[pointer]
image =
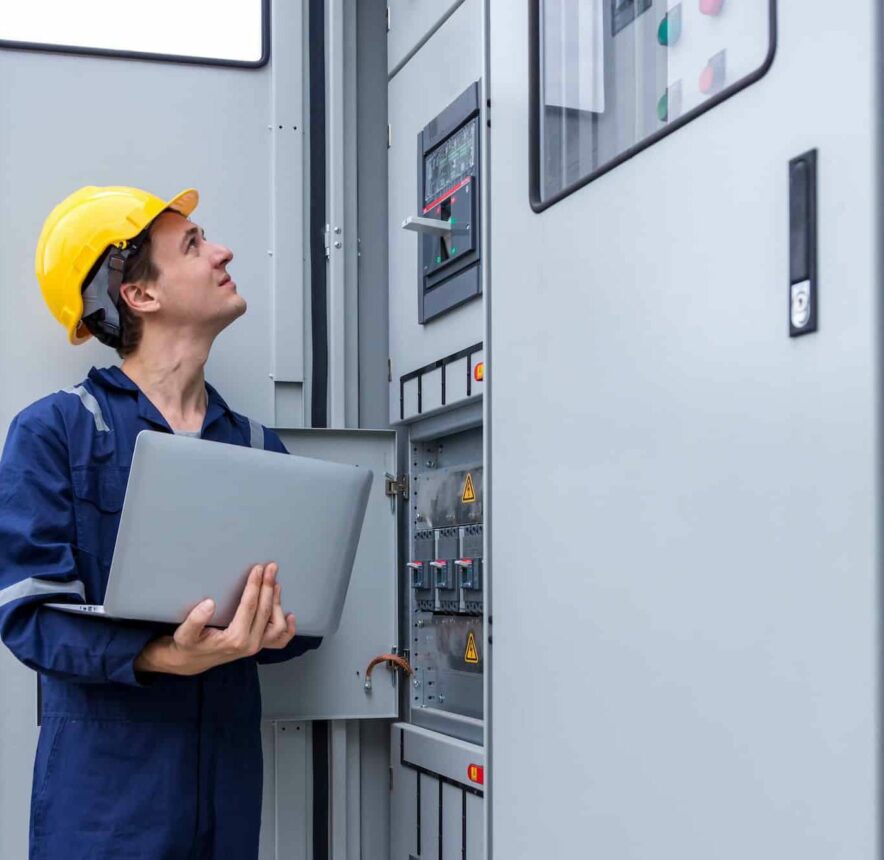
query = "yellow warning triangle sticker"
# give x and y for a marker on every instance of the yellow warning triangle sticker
(472, 653)
(469, 491)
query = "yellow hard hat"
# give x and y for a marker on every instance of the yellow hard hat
(80, 230)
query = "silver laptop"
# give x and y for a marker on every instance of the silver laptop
(198, 515)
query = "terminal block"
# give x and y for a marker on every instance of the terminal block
(447, 585)
(420, 575)
(444, 575)
(470, 569)
(470, 573)
(420, 572)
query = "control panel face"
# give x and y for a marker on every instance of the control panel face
(446, 577)
(448, 223)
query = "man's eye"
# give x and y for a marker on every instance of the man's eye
(191, 243)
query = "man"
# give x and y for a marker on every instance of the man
(150, 743)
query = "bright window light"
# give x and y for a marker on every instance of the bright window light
(229, 30)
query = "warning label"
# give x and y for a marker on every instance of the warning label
(469, 491)
(472, 653)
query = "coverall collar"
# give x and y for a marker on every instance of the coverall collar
(113, 378)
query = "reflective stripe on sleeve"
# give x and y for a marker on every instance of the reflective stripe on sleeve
(91, 405)
(34, 587)
(257, 434)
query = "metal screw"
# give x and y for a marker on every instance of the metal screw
(338, 245)
(338, 230)
(415, 683)
(441, 699)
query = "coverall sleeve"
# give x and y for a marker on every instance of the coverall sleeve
(38, 564)
(300, 644)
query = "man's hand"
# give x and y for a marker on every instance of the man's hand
(259, 623)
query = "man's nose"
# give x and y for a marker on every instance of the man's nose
(223, 254)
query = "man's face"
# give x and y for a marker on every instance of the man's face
(193, 289)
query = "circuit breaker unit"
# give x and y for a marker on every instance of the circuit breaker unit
(448, 203)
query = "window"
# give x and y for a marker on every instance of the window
(611, 77)
(232, 32)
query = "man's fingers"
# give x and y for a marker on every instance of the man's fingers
(190, 630)
(277, 618)
(276, 626)
(248, 603)
(281, 635)
(265, 604)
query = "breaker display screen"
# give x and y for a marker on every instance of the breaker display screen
(450, 162)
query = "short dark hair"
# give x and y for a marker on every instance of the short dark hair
(140, 267)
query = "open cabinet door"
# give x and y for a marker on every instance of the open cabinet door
(328, 683)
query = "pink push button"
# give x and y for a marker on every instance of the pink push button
(713, 76)
(711, 7)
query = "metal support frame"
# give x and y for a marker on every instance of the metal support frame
(343, 390)
(345, 824)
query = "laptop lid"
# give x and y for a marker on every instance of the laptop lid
(198, 515)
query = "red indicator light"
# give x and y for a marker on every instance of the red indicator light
(479, 372)
(476, 773)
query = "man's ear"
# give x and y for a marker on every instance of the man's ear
(140, 297)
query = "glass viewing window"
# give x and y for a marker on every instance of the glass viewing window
(611, 77)
(231, 32)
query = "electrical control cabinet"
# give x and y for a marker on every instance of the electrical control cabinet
(437, 129)
(436, 142)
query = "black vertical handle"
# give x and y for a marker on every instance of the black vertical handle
(803, 292)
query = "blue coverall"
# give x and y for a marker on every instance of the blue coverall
(154, 766)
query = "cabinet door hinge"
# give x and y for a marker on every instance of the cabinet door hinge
(397, 485)
(326, 239)
(389, 135)
(388, 19)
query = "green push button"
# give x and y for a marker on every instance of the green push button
(669, 31)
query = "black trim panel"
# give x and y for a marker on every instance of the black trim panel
(467, 789)
(320, 790)
(443, 363)
(538, 204)
(318, 263)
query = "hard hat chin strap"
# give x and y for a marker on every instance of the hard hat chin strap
(101, 293)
